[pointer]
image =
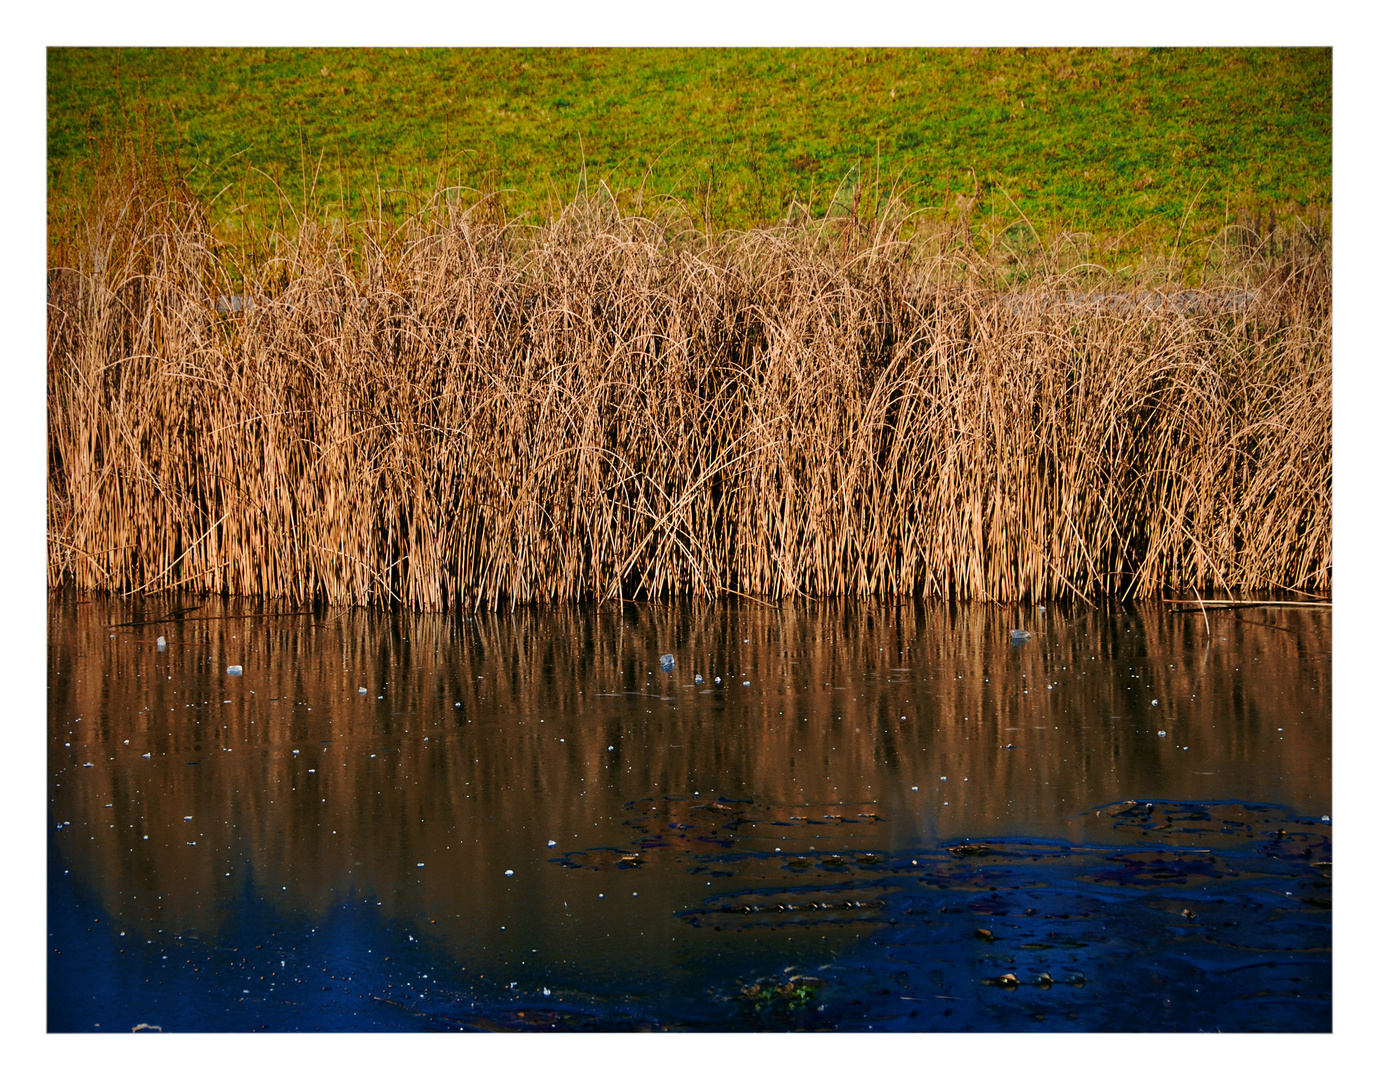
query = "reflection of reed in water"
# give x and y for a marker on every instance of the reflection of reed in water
(492, 736)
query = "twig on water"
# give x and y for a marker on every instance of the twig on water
(168, 617)
(1204, 604)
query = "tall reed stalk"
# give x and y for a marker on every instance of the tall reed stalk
(470, 412)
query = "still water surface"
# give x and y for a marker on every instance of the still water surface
(866, 816)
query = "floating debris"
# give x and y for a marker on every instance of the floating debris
(1019, 637)
(162, 647)
(985, 935)
(234, 669)
(668, 662)
(788, 990)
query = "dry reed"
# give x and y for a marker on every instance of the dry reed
(469, 411)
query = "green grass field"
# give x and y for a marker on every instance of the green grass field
(1142, 149)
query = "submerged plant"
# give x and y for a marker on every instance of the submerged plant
(786, 990)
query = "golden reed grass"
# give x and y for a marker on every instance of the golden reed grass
(466, 411)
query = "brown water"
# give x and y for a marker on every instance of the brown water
(525, 802)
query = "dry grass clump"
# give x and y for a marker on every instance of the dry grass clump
(470, 411)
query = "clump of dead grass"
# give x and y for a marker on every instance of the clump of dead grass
(469, 411)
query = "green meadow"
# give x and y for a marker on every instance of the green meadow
(1137, 151)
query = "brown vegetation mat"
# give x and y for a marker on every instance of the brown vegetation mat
(468, 411)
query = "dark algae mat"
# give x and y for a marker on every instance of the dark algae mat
(1166, 917)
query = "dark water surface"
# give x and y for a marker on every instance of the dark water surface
(883, 817)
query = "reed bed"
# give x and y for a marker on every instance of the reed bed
(470, 412)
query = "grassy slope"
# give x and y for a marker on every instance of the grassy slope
(1118, 143)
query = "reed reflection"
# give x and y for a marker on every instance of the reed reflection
(411, 760)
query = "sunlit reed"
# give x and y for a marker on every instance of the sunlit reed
(468, 412)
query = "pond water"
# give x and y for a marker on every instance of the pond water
(864, 817)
